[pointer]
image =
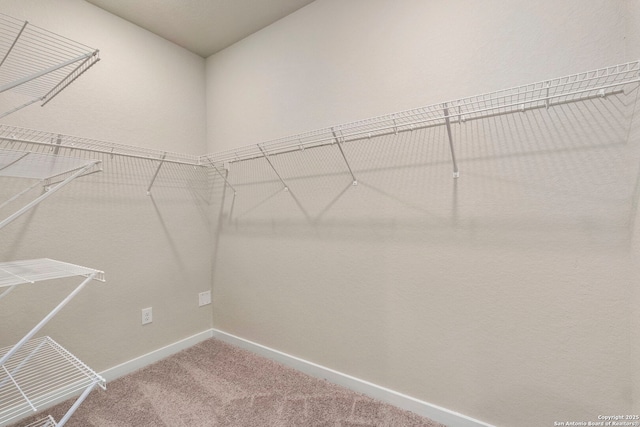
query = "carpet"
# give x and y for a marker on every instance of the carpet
(216, 384)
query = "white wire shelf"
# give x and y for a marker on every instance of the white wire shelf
(38, 63)
(45, 168)
(44, 422)
(546, 94)
(22, 138)
(41, 373)
(36, 270)
(33, 165)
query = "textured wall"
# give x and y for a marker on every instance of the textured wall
(155, 250)
(503, 295)
(145, 91)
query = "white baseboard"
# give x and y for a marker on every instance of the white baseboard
(425, 409)
(434, 412)
(154, 356)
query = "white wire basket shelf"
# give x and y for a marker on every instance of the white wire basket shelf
(44, 422)
(42, 166)
(599, 83)
(37, 372)
(38, 63)
(41, 373)
(14, 273)
(24, 139)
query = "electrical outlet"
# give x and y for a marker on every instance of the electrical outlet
(204, 298)
(147, 315)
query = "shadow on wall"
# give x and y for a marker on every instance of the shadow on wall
(150, 246)
(545, 176)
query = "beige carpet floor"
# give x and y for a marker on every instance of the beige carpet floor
(216, 384)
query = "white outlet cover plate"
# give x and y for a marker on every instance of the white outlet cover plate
(147, 315)
(204, 298)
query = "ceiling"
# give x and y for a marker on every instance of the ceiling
(202, 26)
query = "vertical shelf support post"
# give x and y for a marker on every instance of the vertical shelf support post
(6, 55)
(155, 175)
(447, 121)
(222, 176)
(355, 181)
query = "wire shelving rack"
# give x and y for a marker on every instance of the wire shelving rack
(50, 170)
(37, 372)
(38, 63)
(600, 83)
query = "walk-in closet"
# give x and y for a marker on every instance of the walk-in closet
(319, 213)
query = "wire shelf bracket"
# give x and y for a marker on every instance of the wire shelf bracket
(155, 175)
(39, 63)
(355, 181)
(222, 176)
(45, 168)
(38, 371)
(266, 156)
(445, 111)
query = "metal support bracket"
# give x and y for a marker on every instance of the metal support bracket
(222, 176)
(6, 55)
(547, 85)
(41, 73)
(264, 153)
(155, 175)
(51, 191)
(15, 161)
(6, 291)
(355, 181)
(447, 121)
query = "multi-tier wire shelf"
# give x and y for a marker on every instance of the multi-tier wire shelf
(38, 64)
(37, 372)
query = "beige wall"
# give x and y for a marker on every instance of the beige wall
(155, 250)
(503, 295)
(507, 295)
(145, 91)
